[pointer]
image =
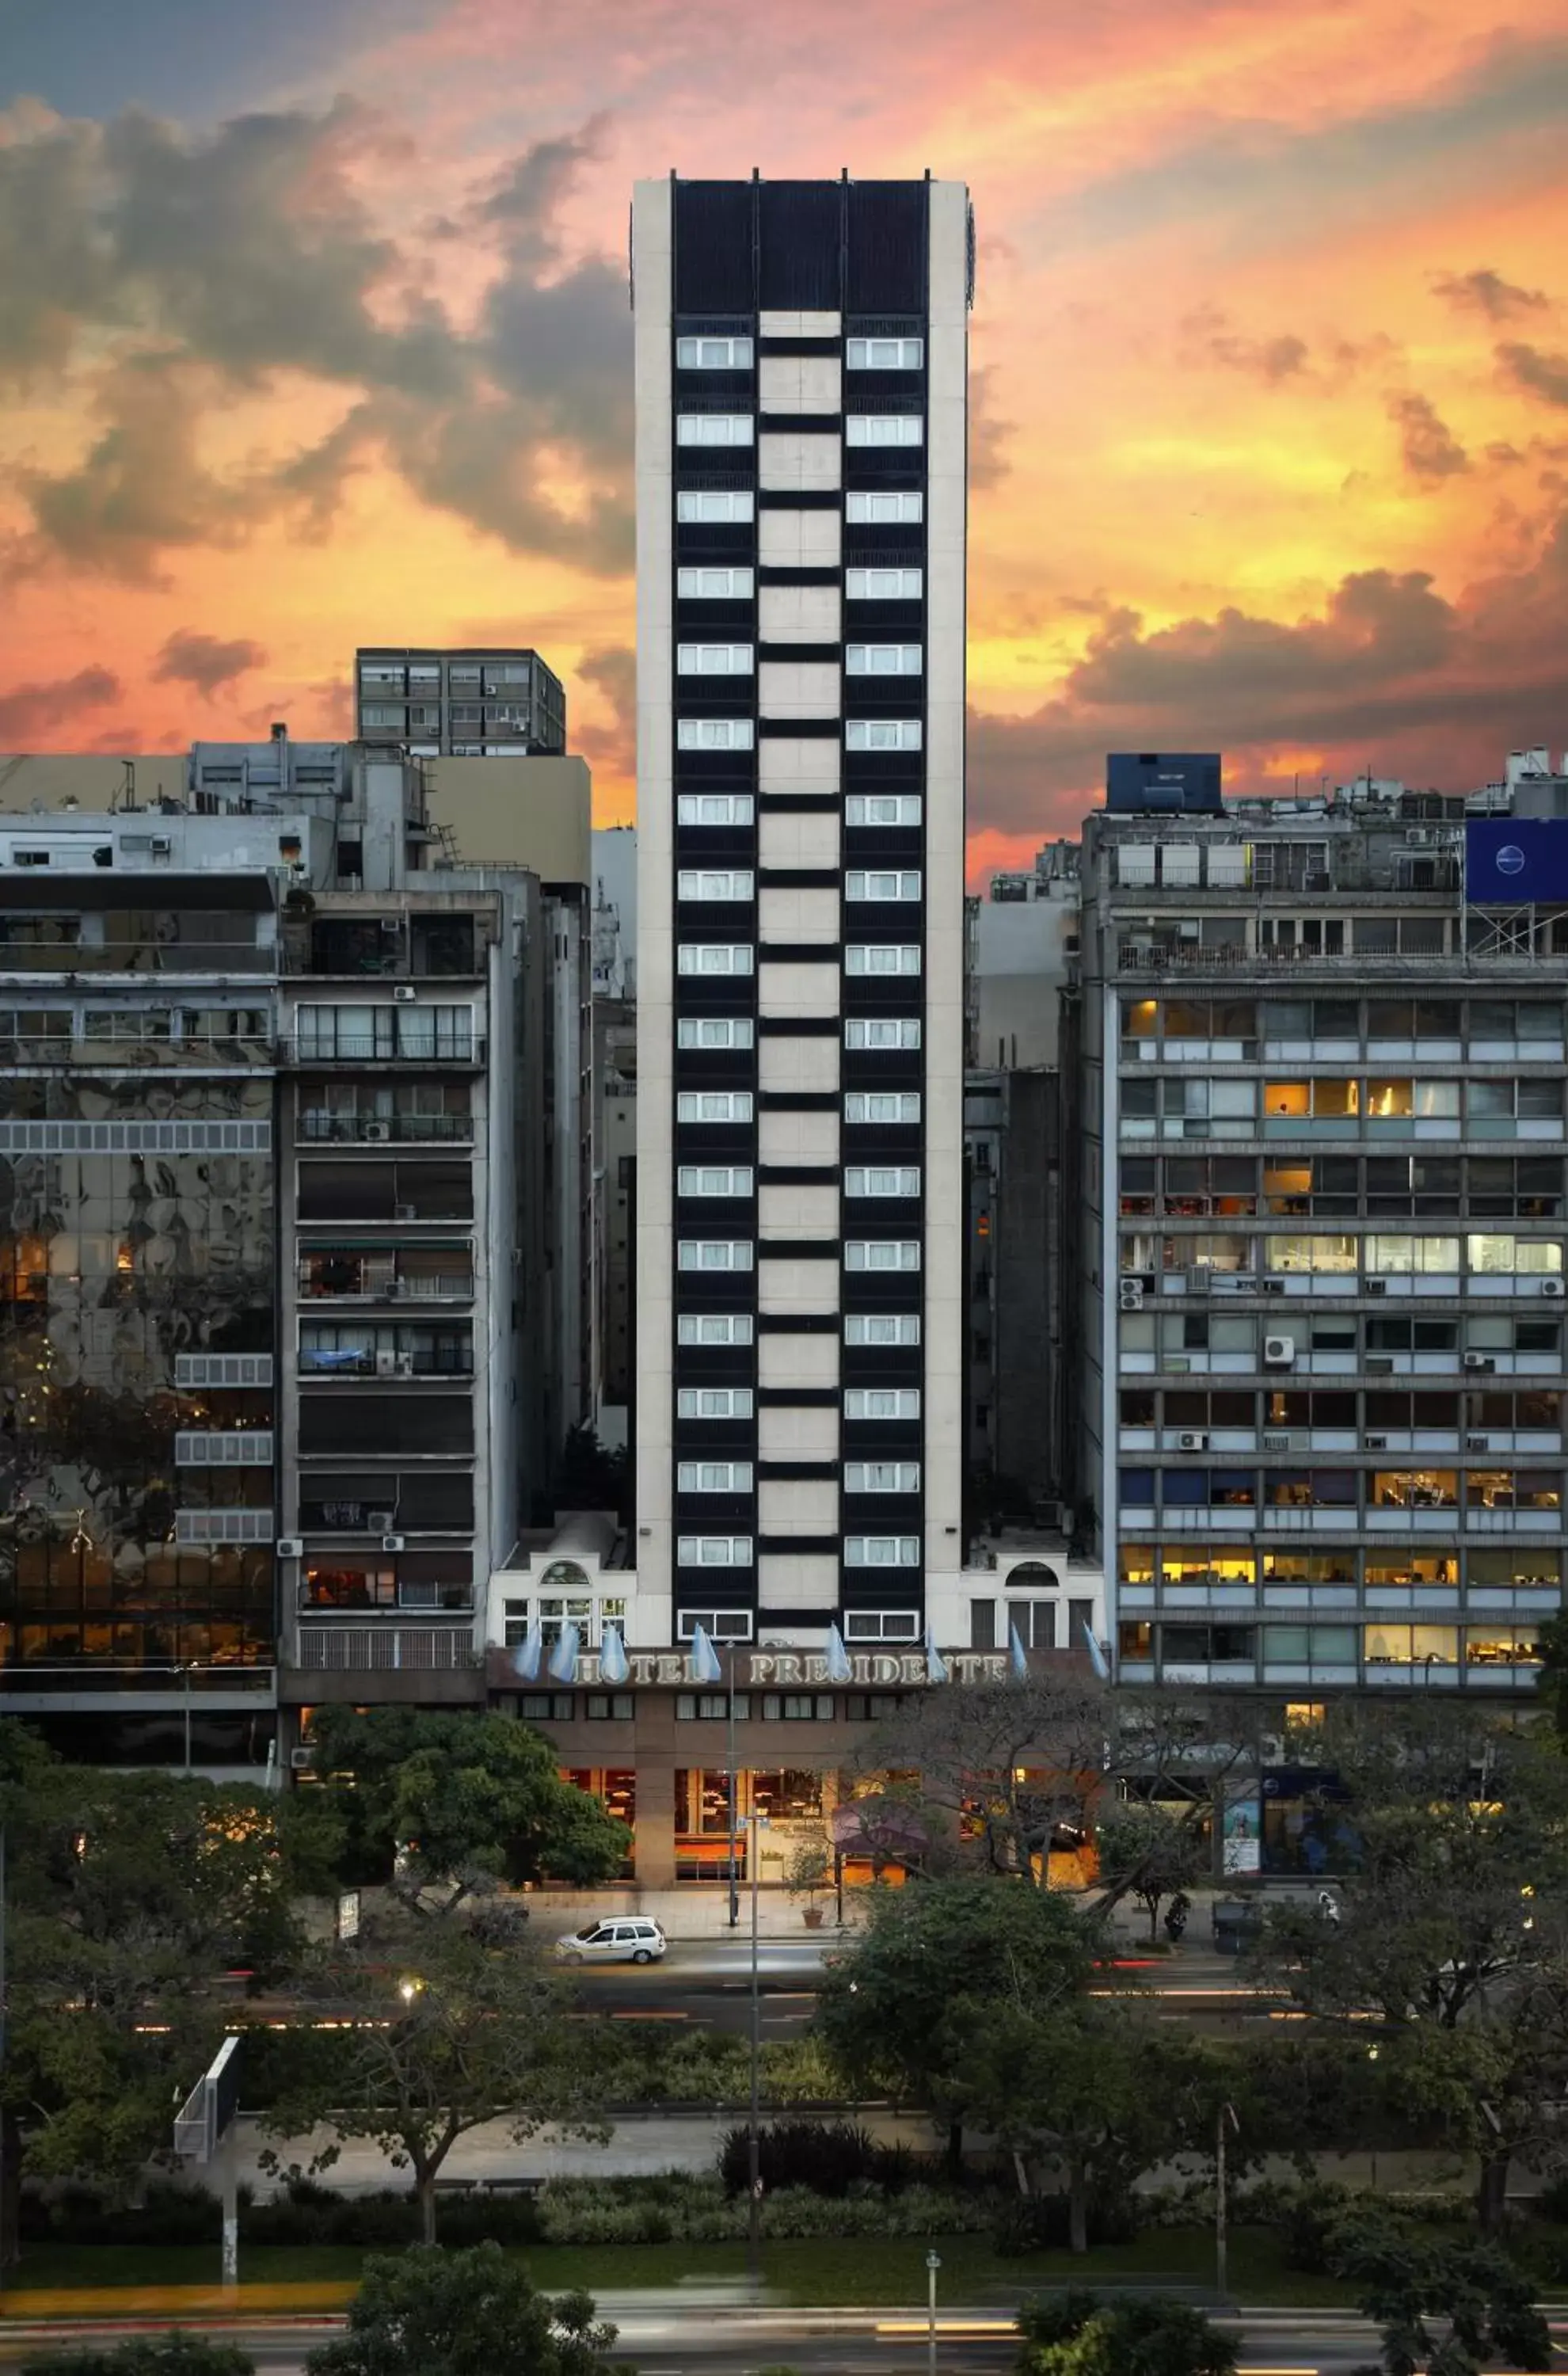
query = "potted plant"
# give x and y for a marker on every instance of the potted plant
(806, 1875)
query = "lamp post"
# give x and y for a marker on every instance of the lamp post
(754, 2134)
(1227, 2117)
(932, 2263)
(734, 1823)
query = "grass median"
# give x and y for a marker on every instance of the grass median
(112, 2281)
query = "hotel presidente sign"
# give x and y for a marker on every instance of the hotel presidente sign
(878, 1669)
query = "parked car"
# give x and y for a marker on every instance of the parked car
(619, 1939)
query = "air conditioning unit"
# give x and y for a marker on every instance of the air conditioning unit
(1279, 1352)
(405, 1212)
(377, 1133)
(1273, 1286)
(405, 1368)
(380, 1522)
(302, 1759)
(1374, 1444)
(1130, 1295)
(387, 1365)
(1193, 1440)
(404, 994)
(1553, 1287)
(289, 1547)
(1380, 1365)
(1374, 1287)
(391, 924)
(391, 1542)
(1477, 1444)
(1277, 1443)
(1484, 1362)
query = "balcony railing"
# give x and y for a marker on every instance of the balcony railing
(316, 1128)
(316, 1361)
(364, 1048)
(377, 1284)
(427, 1649)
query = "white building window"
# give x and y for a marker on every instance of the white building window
(881, 1180)
(720, 429)
(882, 1329)
(714, 1030)
(883, 808)
(719, 1626)
(882, 1031)
(715, 882)
(715, 808)
(882, 1551)
(880, 1625)
(715, 957)
(876, 508)
(882, 1402)
(883, 659)
(882, 1253)
(883, 585)
(883, 1105)
(882, 734)
(881, 1477)
(713, 1105)
(885, 354)
(715, 734)
(713, 1476)
(883, 429)
(867, 957)
(714, 585)
(715, 1254)
(715, 660)
(861, 883)
(715, 1328)
(714, 1180)
(713, 354)
(712, 505)
(714, 1402)
(713, 1550)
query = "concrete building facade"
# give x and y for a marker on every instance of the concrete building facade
(474, 703)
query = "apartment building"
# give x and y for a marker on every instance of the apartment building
(1321, 1268)
(801, 422)
(474, 704)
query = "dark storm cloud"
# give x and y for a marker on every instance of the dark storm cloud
(1486, 293)
(188, 657)
(220, 263)
(1429, 451)
(29, 710)
(1538, 374)
(1390, 674)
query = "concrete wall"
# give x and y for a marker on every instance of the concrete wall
(524, 811)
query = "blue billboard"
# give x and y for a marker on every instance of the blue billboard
(1509, 862)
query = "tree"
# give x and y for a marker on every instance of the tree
(131, 1896)
(1090, 2088)
(452, 2022)
(1149, 1853)
(471, 2313)
(1552, 1640)
(888, 2006)
(1486, 2304)
(1452, 1926)
(430, 1801)
(178, 2353)
(1074, 2335)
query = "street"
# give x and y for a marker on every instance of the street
(708, 2333)
(708, 1981)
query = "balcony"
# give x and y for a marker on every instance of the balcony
(422, 1649)
(317, 1126)
(328, 1361)
(443, 1275)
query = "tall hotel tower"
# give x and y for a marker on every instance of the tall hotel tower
(800, 398)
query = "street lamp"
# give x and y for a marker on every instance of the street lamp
(1227, 2117)
(932, 2263)
(754, 2134)
(734, 1817)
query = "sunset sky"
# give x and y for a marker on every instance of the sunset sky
(313, 331)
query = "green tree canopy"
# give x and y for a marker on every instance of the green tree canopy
(1074, 2334)
(1484, 2305)
(887, 2005)
(437, 1800)
(471, 2313)
(178, 2353)
(130, 1897)
(444, 2024)
(1147, 1852)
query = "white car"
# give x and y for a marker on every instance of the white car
(619, 1939)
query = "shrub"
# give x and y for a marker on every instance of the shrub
(827, 2156)
(1040, 2223)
